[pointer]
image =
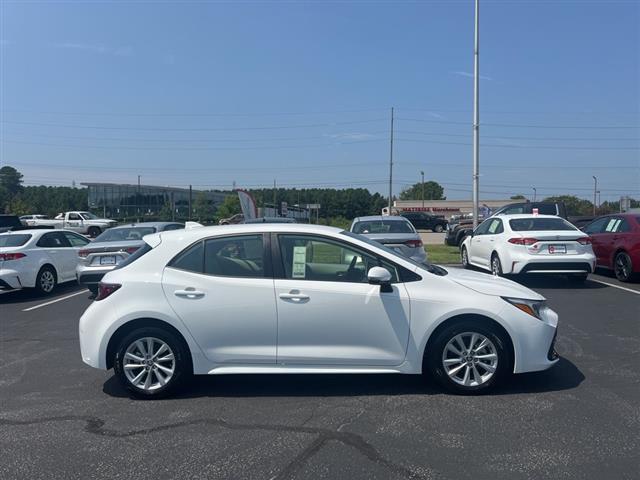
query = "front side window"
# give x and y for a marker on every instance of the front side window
(74, 216)
(597, 226)
(314, 258)
(483, 228)
(495, 227)
(75, 240)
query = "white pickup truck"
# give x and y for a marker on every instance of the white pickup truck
(82, 222)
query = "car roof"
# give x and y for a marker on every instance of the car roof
(244, 228)
(36, 232)
(523, 215)
(145, 224)
(380, 218)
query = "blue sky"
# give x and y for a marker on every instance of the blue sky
(207, 93)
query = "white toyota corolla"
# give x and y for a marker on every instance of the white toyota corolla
(288, 298)
(515, 244)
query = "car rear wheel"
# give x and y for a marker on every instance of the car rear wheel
(468, 358)
(151, 362)
(464, 257)
(46, 280)
(438, 229)
(623, 267)
(496, 265)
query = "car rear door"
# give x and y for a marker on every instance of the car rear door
(328, 313)
(62, 255)
(222, 289)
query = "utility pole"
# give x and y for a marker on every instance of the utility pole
(274, 198)
(138, 199)
(391, 166)
(595, 189)
(535, 193)
(190, 198)
(422, 175)
(476, 118)
(599, 202)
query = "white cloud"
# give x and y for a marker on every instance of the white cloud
(98, 49)
(470, 75)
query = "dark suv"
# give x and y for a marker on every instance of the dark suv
(9, 222)
(424, 221)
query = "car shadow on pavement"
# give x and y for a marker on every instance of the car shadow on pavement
(31, 295)
(563, 376)
(555, 282)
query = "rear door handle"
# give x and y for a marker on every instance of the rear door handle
(296, 297)
(190, 293)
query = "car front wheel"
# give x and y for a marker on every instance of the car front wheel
(467, 358)
(151, 362)
(464, 257)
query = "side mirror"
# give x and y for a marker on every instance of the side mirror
(380, 276)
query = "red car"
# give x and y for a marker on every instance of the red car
(616, 243)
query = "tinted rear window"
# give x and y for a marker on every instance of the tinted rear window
(124, 234)
(13, 240)
(539, 224)
(383, 226)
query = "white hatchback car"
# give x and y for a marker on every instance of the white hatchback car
(38, 259)
(290, 298)
(514, 244)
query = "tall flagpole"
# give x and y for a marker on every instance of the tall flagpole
(476, 119)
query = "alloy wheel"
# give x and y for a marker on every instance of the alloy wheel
(465, 257)
(470, 359)
(496, 267)
(47, 281)
(149, 363)
(623, 266)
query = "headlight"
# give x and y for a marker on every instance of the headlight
(532, 307)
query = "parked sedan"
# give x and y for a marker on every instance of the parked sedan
(113, 246)
(394, 232)
(512, 244)
(38, 259)
(291, 298)
(616, 243)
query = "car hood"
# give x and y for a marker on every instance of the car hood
(491, 284)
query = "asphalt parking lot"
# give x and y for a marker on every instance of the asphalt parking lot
(62, 419)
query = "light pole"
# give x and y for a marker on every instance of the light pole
(391, 165)
(535, 193)
(422, 174)
(595, 189)
(476, 118)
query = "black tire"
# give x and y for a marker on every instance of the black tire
(93, 232)
(496, 265)
(46, 280)
(464, 257)
(623, 267)
(182, 368)
(438, 228)
(434, 357)
(578, 278)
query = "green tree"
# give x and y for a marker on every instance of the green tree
(575, 206)
(10, 186)
(432, 191)
(202, 209)
(229, 207)
(518, 197)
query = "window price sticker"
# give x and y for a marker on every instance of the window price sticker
(299, 262)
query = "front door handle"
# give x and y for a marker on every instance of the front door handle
(296, 297)
(190, 293)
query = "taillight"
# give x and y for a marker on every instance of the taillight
(11, 256)
(585, 241)
(131, 250)
(106, 289)
(413, 243)
(83, 253)
(523, 241)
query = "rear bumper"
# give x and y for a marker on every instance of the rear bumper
(10, 280)
(526, 263)
(91, 275)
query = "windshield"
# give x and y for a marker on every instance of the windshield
(124, 234)
(429, 267)
(14, 240)
(88, 215)
(540, 224)
(383, 226)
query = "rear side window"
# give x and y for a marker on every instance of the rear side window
(540, 224)
(132, 258)
(241, 256)
(53, 240)
(13, 240)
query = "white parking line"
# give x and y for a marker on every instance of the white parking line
(616, 286)
(83, 292)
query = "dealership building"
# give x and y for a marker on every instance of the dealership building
(122, 201)
(448, 208)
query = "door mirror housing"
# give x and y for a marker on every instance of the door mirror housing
(380, 276)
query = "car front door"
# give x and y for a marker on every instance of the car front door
(328, 313)
(490, 239)
(222, 289)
